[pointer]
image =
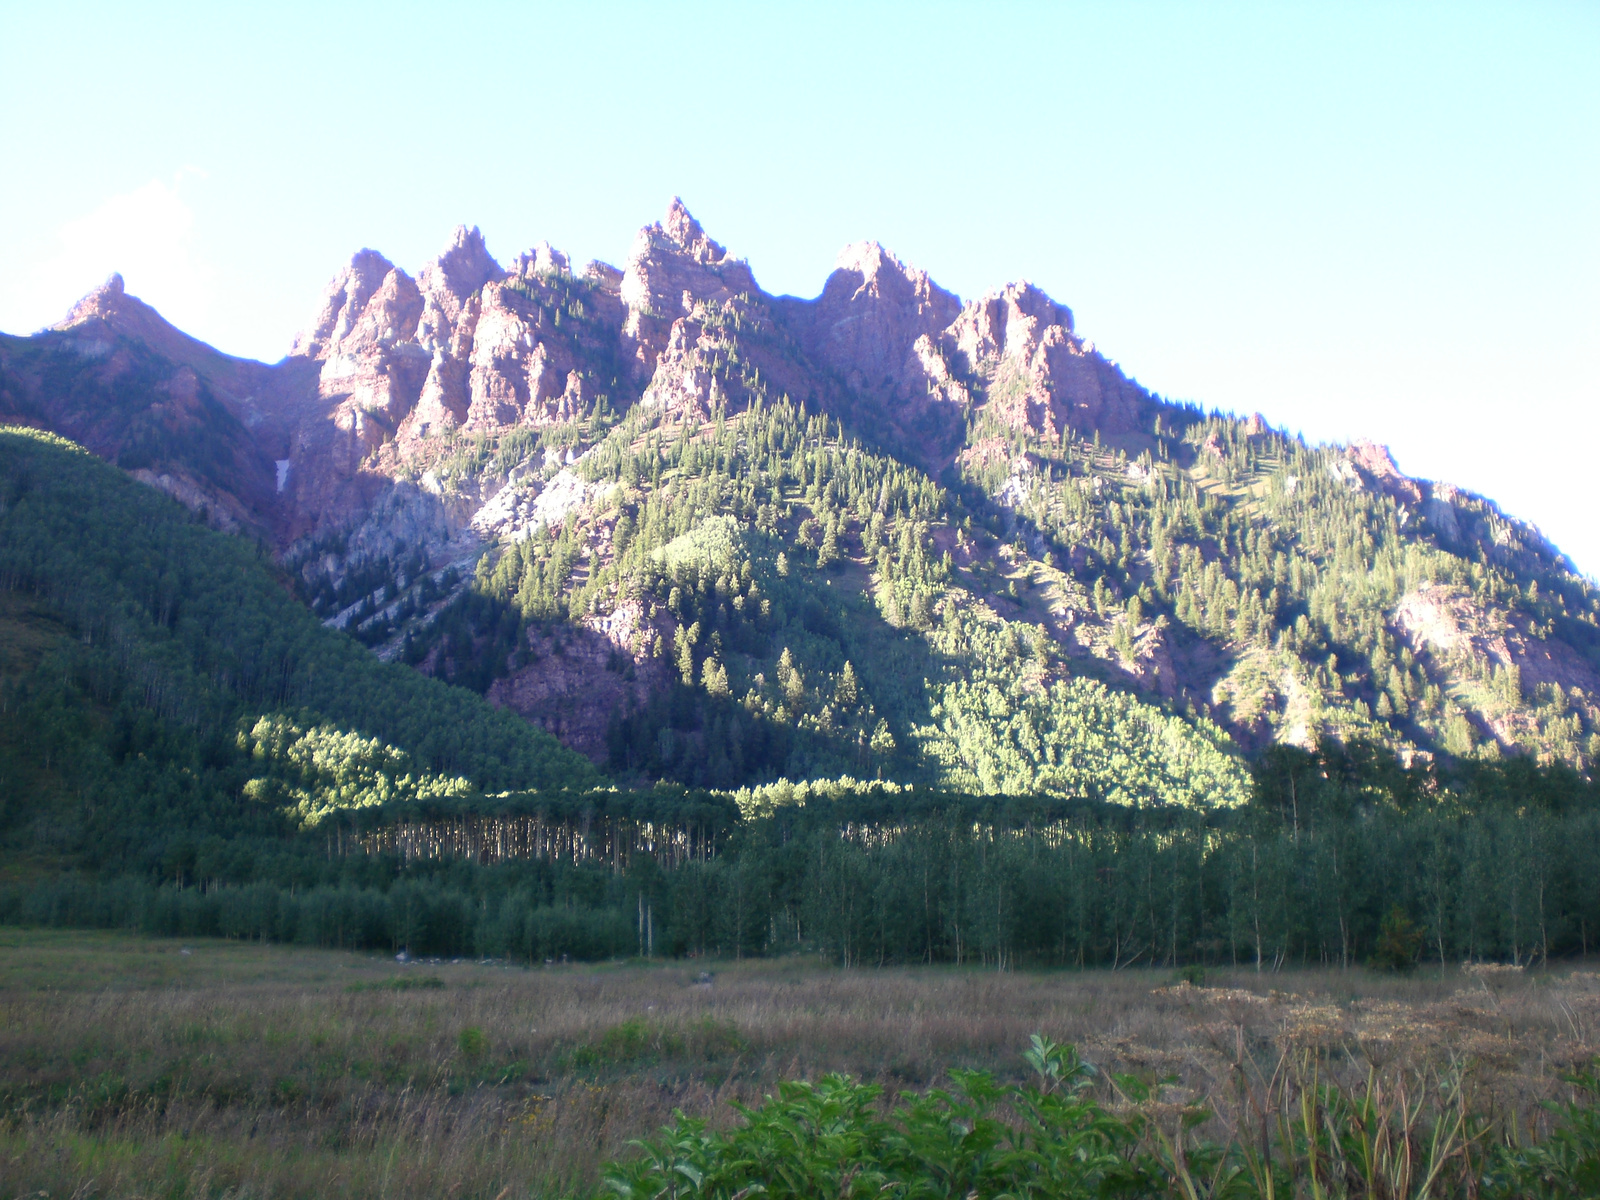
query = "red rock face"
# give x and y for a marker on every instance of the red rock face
(178, 414)
(1039, 375)
(572, 688)
(870, 317)
(389, 364)
(892, 335)
(1377, 464)
(672, 267)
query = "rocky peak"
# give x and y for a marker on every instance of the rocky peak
(872, 310)
(543, 259)
(1378, 465)
(462, 268)
(603, 276)
(370, 301)
(1013, 322)
(672, 267)
(674, 264)
(109, 309)
(685, 232)
(866, 273)
(448, 285)
(111, 303)
(102, 302)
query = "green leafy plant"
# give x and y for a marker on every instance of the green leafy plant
(1401, 1138)
(977, 1138)
(1567, 1162)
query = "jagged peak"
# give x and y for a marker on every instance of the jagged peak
(128, 315)
(542, 259)
(680, 230)
(867, 268)
(1374, 456)
(680, 224)
(1029, 300)
(463, 267)
(124, 315)
(348, 293)
(100, 302)
(868, 258)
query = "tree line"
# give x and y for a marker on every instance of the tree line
(1334, 852)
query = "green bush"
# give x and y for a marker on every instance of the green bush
(474, 1043)
(1399, 942)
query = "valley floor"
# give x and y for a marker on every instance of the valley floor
(136, 1067)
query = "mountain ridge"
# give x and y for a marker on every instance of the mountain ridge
(424, 432)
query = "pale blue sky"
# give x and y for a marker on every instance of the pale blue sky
(1363, 220)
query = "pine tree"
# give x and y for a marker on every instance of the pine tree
(845, 695)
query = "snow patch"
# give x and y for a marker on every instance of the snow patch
(283, 471)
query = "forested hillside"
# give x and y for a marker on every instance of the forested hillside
(185, 749)
(1056, 615)
(157, 679)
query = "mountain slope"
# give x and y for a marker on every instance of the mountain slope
(155, 674)
(658, 511)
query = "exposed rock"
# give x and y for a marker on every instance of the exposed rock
(109, 314)
(369, 303)
(1443, 620)
(1037, 373)
(522, 371)
(1375, 462)
(673, 265)
(893, 335)
(543, 259)
(185, 418)
(684, 384)
(372, 368)
(604, 276)
(1345, 472)
(522, 508)
(337, 452)
(872, 312)
(576, 683)
(448, 285)
(221, 509)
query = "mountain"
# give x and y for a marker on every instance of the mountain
(707, 534)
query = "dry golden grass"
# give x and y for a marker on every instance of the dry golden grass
(147, 1068)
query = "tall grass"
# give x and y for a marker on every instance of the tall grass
(129, 1068)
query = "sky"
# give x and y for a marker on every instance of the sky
(1361, 220)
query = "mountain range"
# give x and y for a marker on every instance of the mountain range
(705, 534)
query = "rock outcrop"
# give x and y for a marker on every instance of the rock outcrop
(926, 362)
(601, 667)
(1037, 373)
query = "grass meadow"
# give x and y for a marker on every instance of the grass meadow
(153, 1068)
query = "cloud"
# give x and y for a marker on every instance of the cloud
(148, 236)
